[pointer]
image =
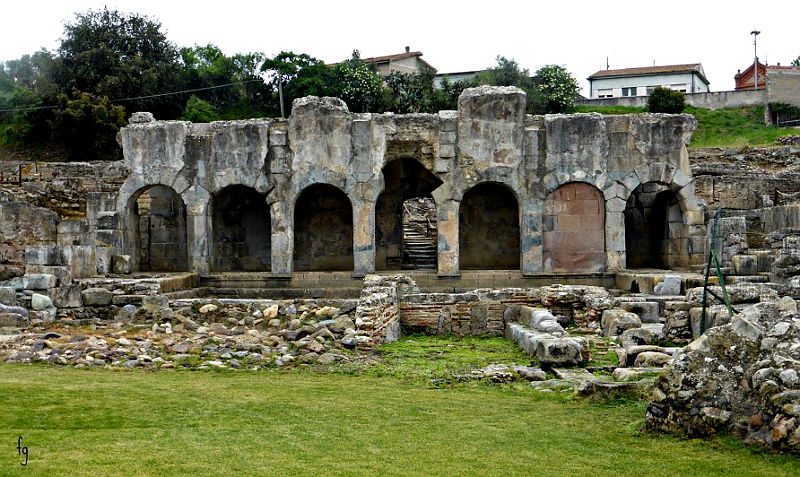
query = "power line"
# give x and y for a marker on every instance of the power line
(134, 98)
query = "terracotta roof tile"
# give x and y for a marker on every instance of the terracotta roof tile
(399, 56)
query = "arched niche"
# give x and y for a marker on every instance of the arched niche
(159, 230)
(488, 228)
(241, 230)
(323, 230)
(405, 217)
(654, 229)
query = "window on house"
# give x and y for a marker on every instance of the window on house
(678, 87)
(629, 91)
(650, 89)
(605, 93)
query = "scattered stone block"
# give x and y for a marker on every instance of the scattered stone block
(596, 389)
(96, 297)
(8, 296)
(626, 374)
(745, 264)
(636, 336)
(121, 264)
(561, 351)
(670, 286)
(41, 302)
(614, 321)
(648, 311)
(32, 281)
(12, 320)
(649, 359)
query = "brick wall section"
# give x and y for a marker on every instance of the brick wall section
(377, 312)
(573, 225)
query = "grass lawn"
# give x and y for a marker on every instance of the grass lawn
(729, 127)
(276, 422)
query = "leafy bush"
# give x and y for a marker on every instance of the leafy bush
(665, 100)
(88, 125)
(199, 111)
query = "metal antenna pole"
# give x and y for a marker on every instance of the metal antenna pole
(755, 34)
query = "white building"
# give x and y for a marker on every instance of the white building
(641, 81)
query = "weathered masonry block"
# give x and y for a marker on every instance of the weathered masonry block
(324, 190)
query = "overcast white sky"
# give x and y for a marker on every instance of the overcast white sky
(455, 35)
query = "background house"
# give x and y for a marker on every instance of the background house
(744, 79)
(410, 62)
(455, 77)
(688, 78)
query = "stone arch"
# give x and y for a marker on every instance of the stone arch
(241, 230)
(402, 243)
(489, 228)
(654, 228)
(323, 229)
(155, 229)
(573, 229)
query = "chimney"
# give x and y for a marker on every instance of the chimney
(408, 49)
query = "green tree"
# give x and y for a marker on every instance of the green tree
(411, 93)
(25, 85)
(552, 89)
(87, 125)
(119, 55)
(297, 75)
(358, 85)
(557, 88)
(796, 61)
(234, 83)
(506, 73)
(665, 100)
(199, 111)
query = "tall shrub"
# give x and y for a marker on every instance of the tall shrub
(665, 100)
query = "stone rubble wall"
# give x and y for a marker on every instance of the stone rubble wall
(741, 377)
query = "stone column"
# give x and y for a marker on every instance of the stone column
(530, 230)
(447, 227)
(282, 238)
(615, 234)
(198, 228)
(363, 237)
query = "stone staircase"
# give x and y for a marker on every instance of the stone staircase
(420, 249)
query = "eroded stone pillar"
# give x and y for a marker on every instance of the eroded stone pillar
(530, 230)
(615, 234)
(282, 238)
(198, 228)
(363, 238)
(447, 228)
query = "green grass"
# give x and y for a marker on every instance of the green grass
(730, 127)
(102, 422)
(441, 359)
(734, 128)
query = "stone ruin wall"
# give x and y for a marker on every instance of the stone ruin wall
(325, 156)
(320, 191)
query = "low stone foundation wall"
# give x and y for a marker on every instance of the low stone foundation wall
(486, 311)
(378, 307)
